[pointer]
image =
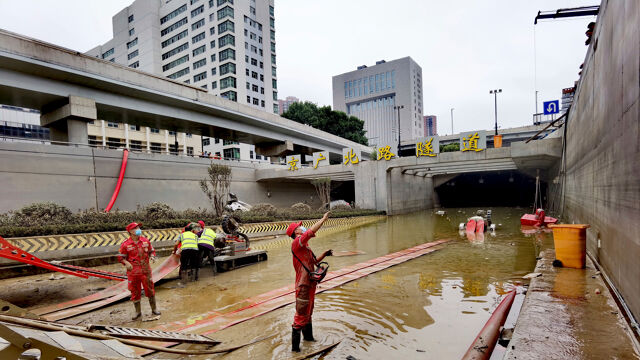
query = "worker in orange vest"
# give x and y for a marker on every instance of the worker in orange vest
(307, 277)
(135, 254)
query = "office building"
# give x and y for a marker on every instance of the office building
(372, 93)
(113, 135)
(224, 46)
(430, 125)
(20, 124)
(227, 149)
(283, 105)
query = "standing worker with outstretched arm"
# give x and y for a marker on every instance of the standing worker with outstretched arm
(304, 263)
(134, 254)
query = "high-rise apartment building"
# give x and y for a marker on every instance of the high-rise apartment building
(430, 125)
(224, 46)
(283, 105)
(373, 93)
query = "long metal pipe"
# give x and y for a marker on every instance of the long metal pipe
(483, 345)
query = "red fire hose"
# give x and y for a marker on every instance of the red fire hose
(123, 168)
(483, 345)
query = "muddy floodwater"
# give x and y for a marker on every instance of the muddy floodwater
(431, 307)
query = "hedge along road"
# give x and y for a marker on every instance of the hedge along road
(435, 303)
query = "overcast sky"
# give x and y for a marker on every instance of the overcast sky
(465, 47)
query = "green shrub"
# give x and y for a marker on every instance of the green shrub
(50, 219)
(42, 213)
(264, 209)
(157, 210)
(450, 147)
(301, 208)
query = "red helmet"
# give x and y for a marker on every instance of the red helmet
(201, 223)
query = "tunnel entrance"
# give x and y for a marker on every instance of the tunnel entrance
(343, 190)
(504, 188)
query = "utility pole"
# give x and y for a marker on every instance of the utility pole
(495, 93)
(452, 120)
(398, 108)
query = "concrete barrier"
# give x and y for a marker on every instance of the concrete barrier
(107, 244)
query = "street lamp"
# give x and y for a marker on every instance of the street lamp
(495, 95)
(398, 107)
(452, 120)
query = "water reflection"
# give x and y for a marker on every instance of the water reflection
(435, 303)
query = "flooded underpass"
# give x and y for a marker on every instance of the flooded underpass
(429, 307)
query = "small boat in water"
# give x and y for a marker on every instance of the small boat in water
(537, 219)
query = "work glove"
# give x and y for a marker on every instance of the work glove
(153, 259)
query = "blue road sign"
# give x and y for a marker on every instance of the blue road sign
(551, 107)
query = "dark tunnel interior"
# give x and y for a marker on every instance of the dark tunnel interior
(505, 188)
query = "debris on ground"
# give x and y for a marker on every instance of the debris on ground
(532, 275)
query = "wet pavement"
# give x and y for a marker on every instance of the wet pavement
(570, 314)
(431, 307)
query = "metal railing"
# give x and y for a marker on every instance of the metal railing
(121, 146)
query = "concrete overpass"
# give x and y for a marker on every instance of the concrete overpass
(70, 88)
(407, 184)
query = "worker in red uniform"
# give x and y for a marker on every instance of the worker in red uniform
(540, 215)
(134, 254)
(304, 261)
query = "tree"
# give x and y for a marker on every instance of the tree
(323, 118)
(450, 147)
(323, 188)
(216, 186)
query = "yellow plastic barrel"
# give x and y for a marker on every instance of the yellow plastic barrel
(570, 241)
(497, 141)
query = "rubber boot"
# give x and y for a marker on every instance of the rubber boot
(138, 313)
(307, 332)
(154, 308)
(295, 340)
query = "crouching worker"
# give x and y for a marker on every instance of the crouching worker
(187, 248)
(206, 245)
(307, 277)
(135, 254)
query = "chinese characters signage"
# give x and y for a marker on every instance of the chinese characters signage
(428, 146)
(350, 156)
(320, 159)
(473, 141)
(293, 162)
(386, 153)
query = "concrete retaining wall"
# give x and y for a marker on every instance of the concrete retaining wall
(602, 186)
(84, 178)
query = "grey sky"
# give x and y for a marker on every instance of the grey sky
(465, 47)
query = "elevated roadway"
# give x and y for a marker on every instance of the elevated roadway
(70, 88)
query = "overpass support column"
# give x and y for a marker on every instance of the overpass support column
(68, 123)
(275, 150)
